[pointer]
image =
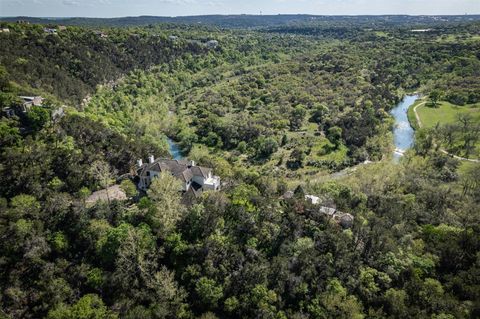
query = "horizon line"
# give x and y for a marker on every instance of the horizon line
(245, 14)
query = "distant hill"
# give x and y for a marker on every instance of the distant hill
(69, 64)
(251, 21)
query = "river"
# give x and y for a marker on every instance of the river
(403, 133)
(174, 149)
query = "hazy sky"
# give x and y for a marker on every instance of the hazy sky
(116, 8)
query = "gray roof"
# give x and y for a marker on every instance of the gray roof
(181, 169)
(201, 171)
(327, 210)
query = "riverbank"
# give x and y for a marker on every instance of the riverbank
(412, 116)
(403, 132)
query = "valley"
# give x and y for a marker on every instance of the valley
(290, 166)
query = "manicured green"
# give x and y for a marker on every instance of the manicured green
(445, 113)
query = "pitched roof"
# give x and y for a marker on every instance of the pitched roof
(181, 169)
(200, 171)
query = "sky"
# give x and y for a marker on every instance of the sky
(120, 8)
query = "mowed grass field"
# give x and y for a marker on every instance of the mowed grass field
(446, 113)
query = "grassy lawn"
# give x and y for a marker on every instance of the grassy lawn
(445, 113)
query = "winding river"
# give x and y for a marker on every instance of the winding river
(403, 133)
(174, 149)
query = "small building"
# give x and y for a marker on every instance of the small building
(29, 101)
(343, 219)
(50, 30)
(421, 30)
(173, 37)
(5, 30)
(101, 34)
(312, 199)
(195, 179)
(62, 28)
(329, 211)
(212, 44)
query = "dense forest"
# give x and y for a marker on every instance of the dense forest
(283, 111)
(247, 21)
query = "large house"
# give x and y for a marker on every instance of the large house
(195, 179)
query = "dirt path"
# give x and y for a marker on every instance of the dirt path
(420, 125)
(419, 122)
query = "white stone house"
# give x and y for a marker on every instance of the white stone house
(195, 179)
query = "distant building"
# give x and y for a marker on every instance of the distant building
(62, 28)
(5, 30)
(212, 44)
(173, 37)
(195, 179)
(421, 30)
(50, 30)
(343, 219)
(29, 101)
(101, 34)
(312, 199)
(329, 211)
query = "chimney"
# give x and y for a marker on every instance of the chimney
(151, 159)
(192, 163)
(139, 163)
